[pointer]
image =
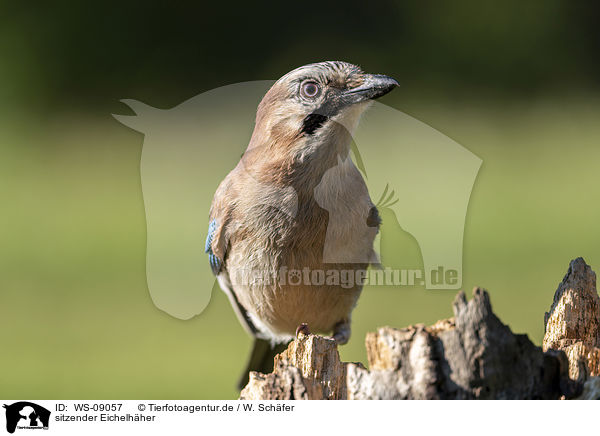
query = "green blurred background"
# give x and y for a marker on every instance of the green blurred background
(517, 83)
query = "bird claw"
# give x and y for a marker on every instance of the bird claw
(302, 328)
(342, 332)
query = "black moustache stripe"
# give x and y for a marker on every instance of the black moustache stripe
(312, 122)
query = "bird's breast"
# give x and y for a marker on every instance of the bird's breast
(305, 264)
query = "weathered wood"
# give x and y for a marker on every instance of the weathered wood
(472, 356)
(573, 322)
(310, 369)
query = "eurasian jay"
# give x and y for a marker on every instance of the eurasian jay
(271, 218)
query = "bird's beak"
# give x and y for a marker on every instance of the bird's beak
(373, 86)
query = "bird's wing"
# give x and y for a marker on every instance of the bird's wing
(215, 255)
(216, 248)
(240, 312)
(219, 219)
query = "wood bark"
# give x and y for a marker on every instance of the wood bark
(470, 356)
(309, 369)
(573, 321)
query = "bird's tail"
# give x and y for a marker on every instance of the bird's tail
(261, 359)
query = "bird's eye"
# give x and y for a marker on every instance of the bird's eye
(310, 89)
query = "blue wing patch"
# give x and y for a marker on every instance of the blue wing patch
(213, 260)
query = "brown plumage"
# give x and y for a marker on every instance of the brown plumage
(296, 202)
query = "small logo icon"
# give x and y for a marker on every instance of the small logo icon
(26, 415)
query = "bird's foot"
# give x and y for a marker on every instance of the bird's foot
(302, 328)
(342, 332)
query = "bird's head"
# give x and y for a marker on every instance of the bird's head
(315, 105)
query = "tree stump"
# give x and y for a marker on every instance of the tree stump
(573, 322)
(310, 369)
(471, 356)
